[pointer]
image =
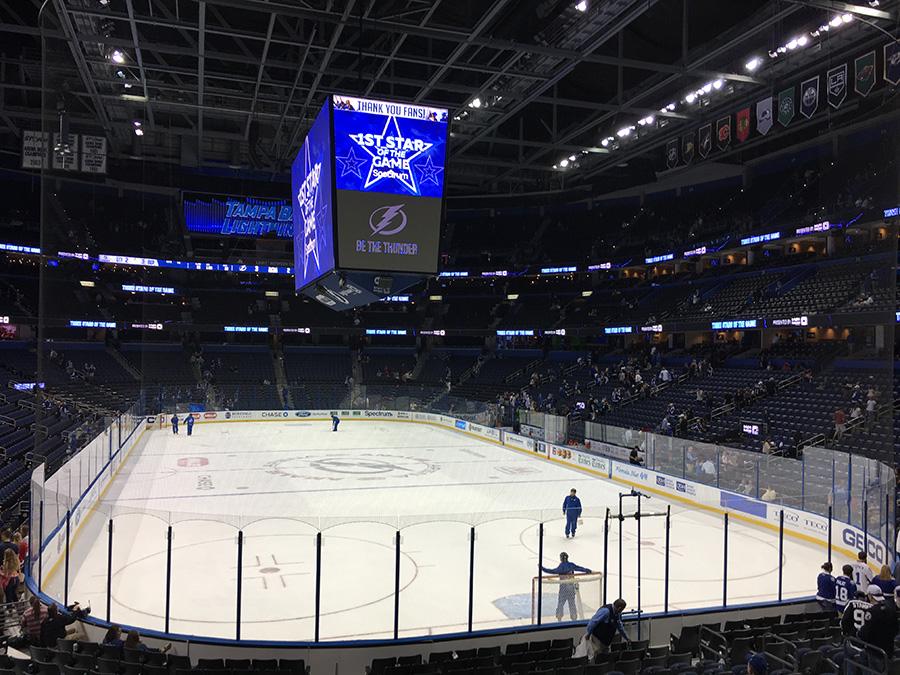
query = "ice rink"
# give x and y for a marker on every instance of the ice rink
(281, 482)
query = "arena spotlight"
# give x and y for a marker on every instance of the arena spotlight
(571, 158)
(581, 6)
(475, 103)
(835, 21)
(753, 64)
(117, 56)
(138, 131)
(846, 18)
(564, 163)
(803, 40)
(690, 98)
(718, 84)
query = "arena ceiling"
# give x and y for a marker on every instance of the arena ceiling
(236, 83)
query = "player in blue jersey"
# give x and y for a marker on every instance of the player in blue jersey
(335, 420)
(189, 423)
(568, 586)
(825, 589)
(844, 588)
(174, 422)
(572, 509)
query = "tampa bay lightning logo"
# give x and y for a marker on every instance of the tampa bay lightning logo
(387, 220)
(390, 156)
(311, 211)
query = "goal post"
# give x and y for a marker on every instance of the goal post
(559, 592)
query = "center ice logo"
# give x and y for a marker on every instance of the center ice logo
(374, 466)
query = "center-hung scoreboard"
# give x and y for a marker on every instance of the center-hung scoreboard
(367, 191)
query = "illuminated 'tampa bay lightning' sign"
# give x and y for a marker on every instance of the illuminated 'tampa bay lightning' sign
(396, 148)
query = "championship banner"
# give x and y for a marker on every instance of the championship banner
(864, 73)
(723, 132)
(687, 148)
(743, 124)
(672, 153)
(764, 119)
(705, 140)
(786, 106)
(836, 85)
(809, 97)
(892, 62)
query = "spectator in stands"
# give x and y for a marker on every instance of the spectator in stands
(708, 468)
(133, 641)
(757, 664)
(767, 446)
(862, 573)
(839, 424)
(885, 581)
(11, 575)
(6, 542)
(880, 626)
(113, 637)
(53, 627)
(32, 619)
(769, 495)
(825, 589)
(871, 404)
(635, 457)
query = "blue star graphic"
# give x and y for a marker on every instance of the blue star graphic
(350, 163)
(428, 171)
(406, 177)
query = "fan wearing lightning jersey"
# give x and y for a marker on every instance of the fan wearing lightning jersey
(862, 573)
(844, 588)
(855, 614)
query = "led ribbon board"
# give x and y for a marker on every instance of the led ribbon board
(227, 216)
(389, 165)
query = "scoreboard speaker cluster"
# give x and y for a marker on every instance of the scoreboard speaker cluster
(368, 194)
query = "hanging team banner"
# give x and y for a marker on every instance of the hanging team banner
(892, 63)
(764, 115)
(786, 106)
(705, 140)
(672, 153)
(836, 85)
(742, 124)
(687, 148)
(864, 73)
(723, 132)
(809, 97)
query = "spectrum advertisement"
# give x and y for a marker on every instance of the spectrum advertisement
(313, 216)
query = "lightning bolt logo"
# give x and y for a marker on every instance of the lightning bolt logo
(382, 218)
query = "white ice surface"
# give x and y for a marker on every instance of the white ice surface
(281, 482)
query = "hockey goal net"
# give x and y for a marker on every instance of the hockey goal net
(562, 595)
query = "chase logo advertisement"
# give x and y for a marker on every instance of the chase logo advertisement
(397, 148)
(311, 201)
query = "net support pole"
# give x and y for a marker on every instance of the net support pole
(830, 517)
(865, 524)
(638, 517)
(620, 545)
(240, 584)
(318, 582)
(605, 553)
(666, 576)
(780, 550)
(109, 561)
(40, 544)
(725, 563)
(168, 576)
(471, 574)
(397, 585)
(540, 589)
(66, 578)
